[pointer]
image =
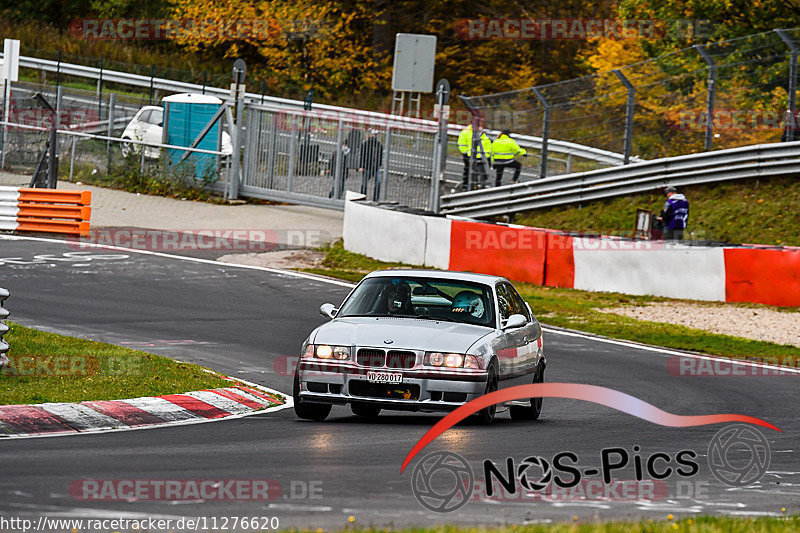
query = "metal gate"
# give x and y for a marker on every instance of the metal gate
(313, 157)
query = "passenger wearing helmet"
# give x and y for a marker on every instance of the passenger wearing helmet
(468, 302)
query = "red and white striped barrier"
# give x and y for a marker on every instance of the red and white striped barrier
(548, 257)
(45, 210)
(191, 407)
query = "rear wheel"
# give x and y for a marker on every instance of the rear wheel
(364, 409)
(531, 412)
(308, 411)
(486, 415)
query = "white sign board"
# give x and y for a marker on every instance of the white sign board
(414, 59)
(10, 60)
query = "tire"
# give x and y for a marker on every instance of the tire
(365, 410)
(308, 411)
(486, 415)
(126, 148)
(532, 412)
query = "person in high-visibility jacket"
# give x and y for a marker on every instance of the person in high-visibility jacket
(504, 150)
(465, 147)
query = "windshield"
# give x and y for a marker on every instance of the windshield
(420, 297)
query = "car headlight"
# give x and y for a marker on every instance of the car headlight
(452, 360)
(325, 351)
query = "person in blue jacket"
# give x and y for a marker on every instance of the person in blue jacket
(675, 215)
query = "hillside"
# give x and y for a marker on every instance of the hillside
(749, 211)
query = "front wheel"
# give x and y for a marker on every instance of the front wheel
(126, 148)
(532, 411)
(486, 415)
(308, 411)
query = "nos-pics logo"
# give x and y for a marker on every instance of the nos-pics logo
(738, 455)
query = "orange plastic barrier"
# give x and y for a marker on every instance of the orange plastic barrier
(516, 253)
(55, 196)
(763, 276)
(54, 211)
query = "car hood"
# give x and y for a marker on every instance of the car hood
(405, 333)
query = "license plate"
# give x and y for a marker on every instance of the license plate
(384, 377)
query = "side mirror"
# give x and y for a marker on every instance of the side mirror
(515, 322)
(329, 310)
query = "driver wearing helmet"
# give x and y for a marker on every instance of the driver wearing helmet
(468, 302)
(398, 298)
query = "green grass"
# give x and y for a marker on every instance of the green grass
(47, 367)
(574, 309)
(703, 524)
(747, 211)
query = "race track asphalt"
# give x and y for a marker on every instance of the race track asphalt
(242, 322)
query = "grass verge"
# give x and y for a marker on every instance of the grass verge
(710, 524)
(747, 211)
(46, 367)
(575, 309)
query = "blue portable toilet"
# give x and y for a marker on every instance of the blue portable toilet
(188, 115)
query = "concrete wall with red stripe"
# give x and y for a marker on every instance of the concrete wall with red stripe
(552, 258)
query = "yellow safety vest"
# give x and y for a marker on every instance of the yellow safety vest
(465, 143)
(504, 149)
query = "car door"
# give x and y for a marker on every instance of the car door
(513, 357)
(530, 334)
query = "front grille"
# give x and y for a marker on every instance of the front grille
(371, 357)
(400, 359)
(380, 390)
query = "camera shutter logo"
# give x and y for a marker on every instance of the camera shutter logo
(738, 455)
(526, 481)
(442, 481)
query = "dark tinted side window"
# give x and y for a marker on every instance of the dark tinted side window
(519, 303)
(505, 301)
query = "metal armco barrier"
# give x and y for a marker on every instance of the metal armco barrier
(763, 160)
(3, 326)
(45, 210)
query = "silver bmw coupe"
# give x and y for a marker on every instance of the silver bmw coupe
(421, 340)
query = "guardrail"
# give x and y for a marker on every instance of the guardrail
(136, 80)
(756, 161)
(3, 326)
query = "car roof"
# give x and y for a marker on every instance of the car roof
(438, 274)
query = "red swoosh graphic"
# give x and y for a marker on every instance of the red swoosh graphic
(575, 391)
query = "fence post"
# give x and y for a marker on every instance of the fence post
(791, 123)
(58, 70)
(6, 118)
(100, 92)
(112, 101)
(439, 144)
(545, 130)
(152, 75)
(338, 169)
(629, 110)
(165, 156)
(712, 89)
(382, 181)
(3, 326)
